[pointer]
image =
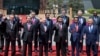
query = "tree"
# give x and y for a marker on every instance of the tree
(76, 5)
(50, 4)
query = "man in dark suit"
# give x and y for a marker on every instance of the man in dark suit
(60, 37)
(43, 38)
(28, 36)
(82, 22)
(11, 31)
(91, 34)
(35, 22)
(75, 30)
(65, 21)
(2, 31)
(18, 22)
(49, 23)
(96, 20)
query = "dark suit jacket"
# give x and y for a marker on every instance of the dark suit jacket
(36, 25)
(67, 20)
(17, 21)
(60, 33)
(91, 37)
(43, 36)
(50, 28)
(28, 35)
(11, 33)
(2, 26)
(75, 36)
(84, 21)
(67, 24)
(98, 21)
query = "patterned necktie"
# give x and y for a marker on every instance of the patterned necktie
(76, 27)
(33, 21)
(28, 25)
(60, 25)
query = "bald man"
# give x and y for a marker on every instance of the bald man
(82, 22)
(11, 31)
(92, 37)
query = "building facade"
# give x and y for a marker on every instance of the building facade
(42, 5)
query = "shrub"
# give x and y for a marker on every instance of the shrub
(92, 10)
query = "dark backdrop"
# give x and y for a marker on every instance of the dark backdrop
(21, 6)
(96, 4)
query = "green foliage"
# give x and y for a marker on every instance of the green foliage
(51, 2)
(92, 10)
(76, 5)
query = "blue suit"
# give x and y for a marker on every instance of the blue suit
(91, 38)
(75, 37)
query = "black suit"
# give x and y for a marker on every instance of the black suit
(50, 28)
(2, 32)
(82, 22)
(96, 20)
(17, 21)
(66, 21)
(28, 37)
(43, 39)
(60, 38)
(36, 26)
(11, 27)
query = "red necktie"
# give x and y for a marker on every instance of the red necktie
(76, 28)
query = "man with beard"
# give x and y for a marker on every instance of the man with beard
(75, 30)
(96, 19)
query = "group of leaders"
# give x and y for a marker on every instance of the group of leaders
(40, 33)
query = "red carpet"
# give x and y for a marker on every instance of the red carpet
(36, 54)
(50, 54)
